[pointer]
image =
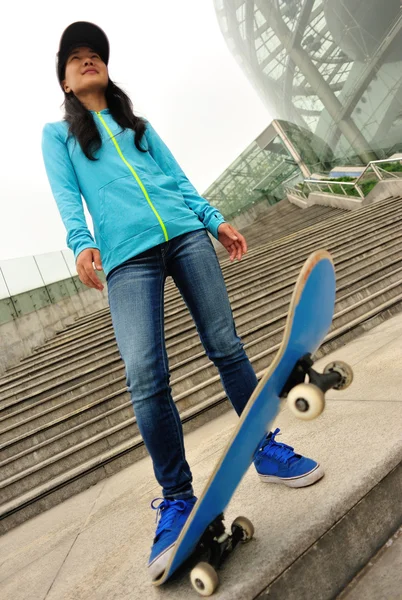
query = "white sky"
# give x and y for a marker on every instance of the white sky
(169, 57)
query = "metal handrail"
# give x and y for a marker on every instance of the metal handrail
(310, 183)
(327, 181)
(296, 192)
(374, 165)
(376, 169)
(341, 184)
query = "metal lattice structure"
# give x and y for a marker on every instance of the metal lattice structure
(256, 176)
(332, 67)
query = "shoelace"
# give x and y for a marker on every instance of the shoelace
(166, 512)
(277, 450)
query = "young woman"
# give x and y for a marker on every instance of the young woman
(149, 223)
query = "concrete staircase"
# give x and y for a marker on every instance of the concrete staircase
(66, 419)
(281, 219)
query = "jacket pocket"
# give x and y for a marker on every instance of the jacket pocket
(124, 211)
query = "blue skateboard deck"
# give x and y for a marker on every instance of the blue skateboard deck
(309, 320)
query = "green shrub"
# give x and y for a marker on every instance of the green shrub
(342, 178)
(367, 186)
(391, 167)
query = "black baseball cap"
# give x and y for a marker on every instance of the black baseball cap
(81, 33)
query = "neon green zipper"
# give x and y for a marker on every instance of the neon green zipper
(144, 191)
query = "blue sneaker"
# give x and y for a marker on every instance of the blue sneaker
(278, 463)
(172, 516)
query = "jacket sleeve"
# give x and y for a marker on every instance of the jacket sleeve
(208, 215)
(65, 189)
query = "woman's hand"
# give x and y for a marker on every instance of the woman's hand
(233, 241)
(85, 268)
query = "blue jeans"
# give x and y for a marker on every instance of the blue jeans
(136, 299)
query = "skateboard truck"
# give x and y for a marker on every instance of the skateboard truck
(216, 544)
(307, 400)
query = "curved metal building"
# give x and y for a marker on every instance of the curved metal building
(331, 70)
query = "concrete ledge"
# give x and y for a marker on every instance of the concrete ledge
(336, 201)
(345, 548)
(384, 189)
(332, 200)
(300, 202)
(381, 577)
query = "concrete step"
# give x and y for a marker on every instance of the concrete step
(381, 577)
(285, 218)
(343, 222)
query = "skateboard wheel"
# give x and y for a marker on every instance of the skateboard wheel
(306, 401)
(204, 579)
(246, 526)
(344, 370)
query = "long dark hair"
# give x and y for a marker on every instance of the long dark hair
(82, 124)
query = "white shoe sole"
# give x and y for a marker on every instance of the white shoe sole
(158, 565)
(296, 482)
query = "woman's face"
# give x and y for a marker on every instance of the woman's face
(85, 72)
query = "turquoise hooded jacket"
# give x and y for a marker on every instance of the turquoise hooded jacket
(136, 200)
